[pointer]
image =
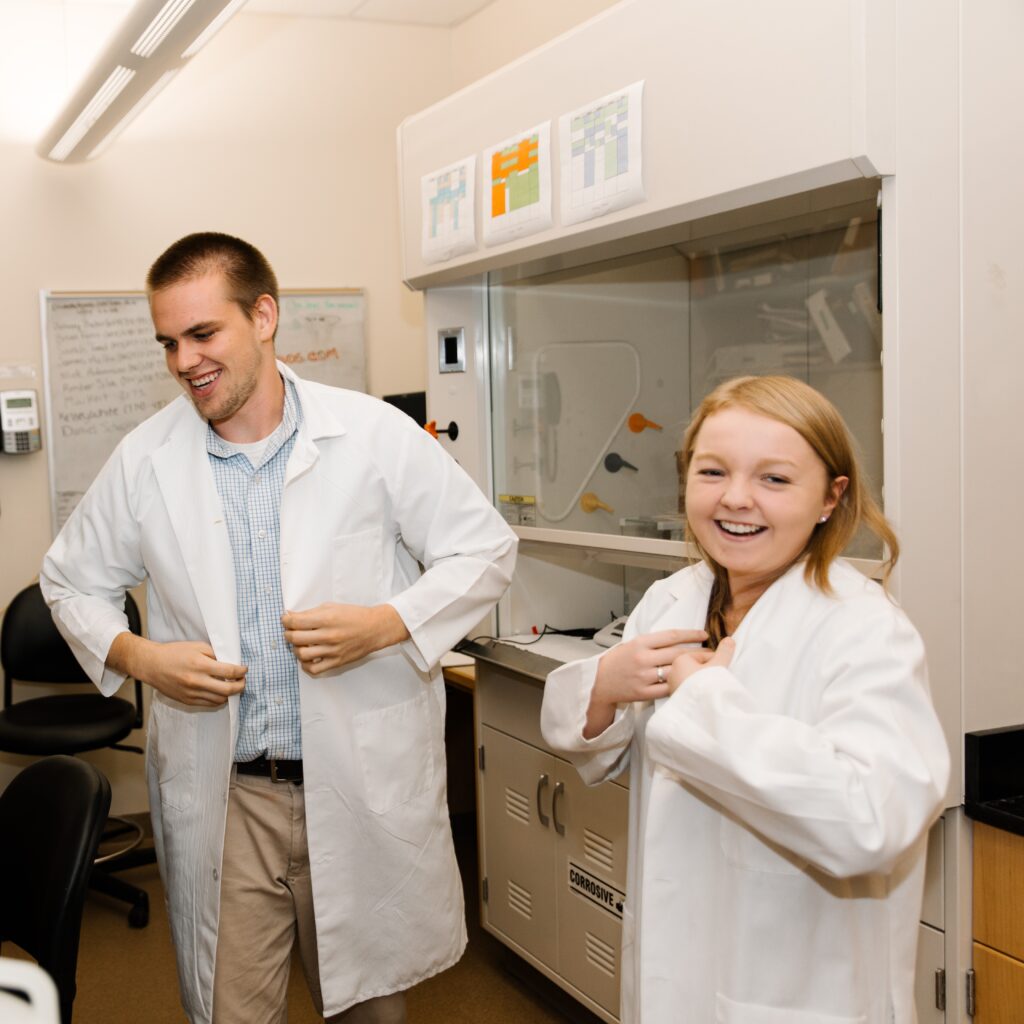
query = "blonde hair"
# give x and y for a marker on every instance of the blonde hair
(818, 422)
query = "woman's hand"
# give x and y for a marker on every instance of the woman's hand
(691, 661)
(637, 670)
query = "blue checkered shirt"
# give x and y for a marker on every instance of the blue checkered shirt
(251, 497)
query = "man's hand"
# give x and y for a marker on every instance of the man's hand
(186, 671)
(630, 672)
(332, 635)
(693, 661)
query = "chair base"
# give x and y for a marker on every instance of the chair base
(110, 885)
(130, 854)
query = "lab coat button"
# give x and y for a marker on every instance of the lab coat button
(216, 874)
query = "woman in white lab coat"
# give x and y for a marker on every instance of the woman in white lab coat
(367, 496)
(783, 776)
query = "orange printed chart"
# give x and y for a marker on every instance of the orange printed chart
(519, 189)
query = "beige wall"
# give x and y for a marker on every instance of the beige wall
(506, 29)
(282, 131)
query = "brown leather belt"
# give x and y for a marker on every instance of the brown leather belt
(272, 768)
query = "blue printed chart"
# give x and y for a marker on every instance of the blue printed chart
(448, 211)
(601, 163)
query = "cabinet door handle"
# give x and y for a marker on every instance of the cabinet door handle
(542, 783)
(559, 790)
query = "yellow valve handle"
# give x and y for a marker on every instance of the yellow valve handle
(590, 502)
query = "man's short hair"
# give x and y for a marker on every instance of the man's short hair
(246, 270)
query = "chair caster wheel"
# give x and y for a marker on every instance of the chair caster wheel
(138, 916)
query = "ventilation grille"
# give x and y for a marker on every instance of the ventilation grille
(601, 955)
(520, 900)
(517, 806)
(598, 849)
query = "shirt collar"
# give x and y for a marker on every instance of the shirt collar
(290, 421)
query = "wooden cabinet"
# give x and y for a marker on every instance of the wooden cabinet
(552, 850)
(998, 947)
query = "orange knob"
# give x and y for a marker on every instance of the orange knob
(452, 430)
(639, 422)
(590, 502)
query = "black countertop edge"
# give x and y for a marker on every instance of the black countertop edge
(533, 666)
(995, 817)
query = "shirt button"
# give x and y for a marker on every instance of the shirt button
(273, 645)
(268, 590)
(255, 479)
(278, 701)
(261, 534)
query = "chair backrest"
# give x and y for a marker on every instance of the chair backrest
(33, 651)
(51, 817)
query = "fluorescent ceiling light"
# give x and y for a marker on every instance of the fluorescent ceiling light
(156, 39)
(115, 132)
(170, 14)
(105, 95)
(212, 29)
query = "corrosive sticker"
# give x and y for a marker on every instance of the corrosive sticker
(601, 893)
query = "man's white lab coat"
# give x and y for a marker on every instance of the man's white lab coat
(367, 495)
(778, 808)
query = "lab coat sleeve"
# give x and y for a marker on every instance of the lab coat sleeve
(567, 697)
(849, 791)
(465, 547)
(94, 560)
(563, 715)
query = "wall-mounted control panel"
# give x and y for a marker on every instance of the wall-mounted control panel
(451, 350)
(19, 416)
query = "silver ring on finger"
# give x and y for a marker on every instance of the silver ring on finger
(660, 672)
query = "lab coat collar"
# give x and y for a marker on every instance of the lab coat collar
(190, 493)
(319, 421)
(681, 584)
(186, 483)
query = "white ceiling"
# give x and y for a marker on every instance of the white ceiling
(442, 13)
(412, 12)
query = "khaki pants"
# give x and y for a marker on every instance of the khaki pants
(266, 904)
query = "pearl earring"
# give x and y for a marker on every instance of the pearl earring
(823, 519)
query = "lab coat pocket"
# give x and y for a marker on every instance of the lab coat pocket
(356, 568)
(728, 1011)
(172, 740)
(396, 752)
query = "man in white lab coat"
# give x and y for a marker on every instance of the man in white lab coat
(310, 554)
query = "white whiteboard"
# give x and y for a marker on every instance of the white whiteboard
(105, 373)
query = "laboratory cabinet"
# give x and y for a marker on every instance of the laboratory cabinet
(552, 850)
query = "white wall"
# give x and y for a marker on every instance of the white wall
(506, 29)
(281, 131)
(992, 143)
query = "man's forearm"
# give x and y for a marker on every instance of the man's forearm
(389, 627)
(126, 653)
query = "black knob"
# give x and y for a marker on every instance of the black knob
(613, 462)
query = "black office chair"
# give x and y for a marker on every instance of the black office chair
(51, 819)
(33, 651)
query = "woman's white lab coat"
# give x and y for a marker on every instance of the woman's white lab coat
(778, 809)
(367, 495)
